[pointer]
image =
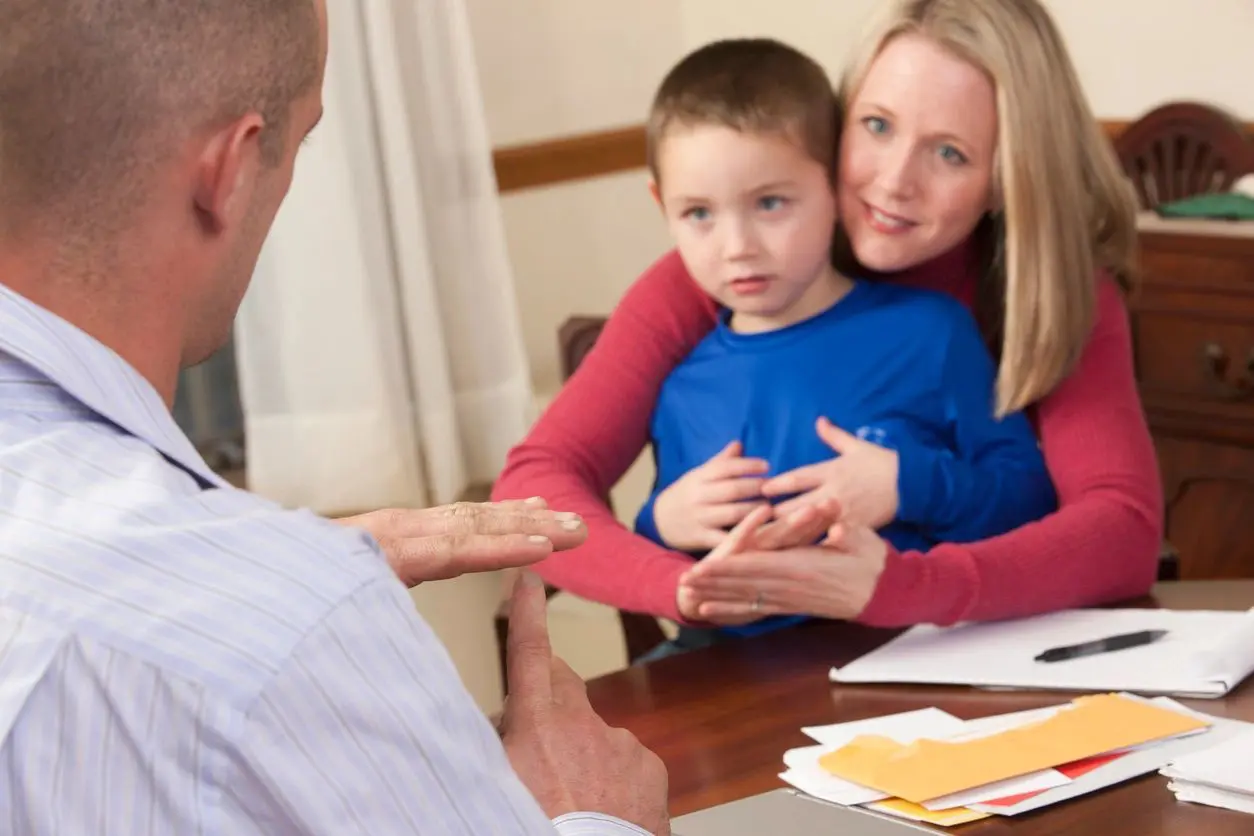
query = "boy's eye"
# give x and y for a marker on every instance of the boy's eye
(770, 203)
(697, 213)
(952, 155)
(876, 124)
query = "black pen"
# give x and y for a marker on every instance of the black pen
(1106, 645)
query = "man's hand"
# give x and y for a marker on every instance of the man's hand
(428, 544)
(563, 752)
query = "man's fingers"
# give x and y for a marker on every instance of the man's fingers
(420, 559)
(569, 689)
(529, 655)
(563, 528)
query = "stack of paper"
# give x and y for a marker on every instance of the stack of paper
(1204, 654)
(1221, 775)
(932, 767)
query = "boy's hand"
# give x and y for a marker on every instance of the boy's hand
(695, 512)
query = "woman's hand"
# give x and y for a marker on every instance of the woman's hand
(694, 513)
(862, 478)
(832, 580)
(759, 532)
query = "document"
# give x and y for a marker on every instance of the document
(1200, 654)
(931, 769)
(1219, 776)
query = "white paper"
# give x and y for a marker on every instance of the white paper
(1201, 794)
(905, 728)
(1228, 765)
(1205, 654)
(820, 784)
(1136, 761)
(1045, 779)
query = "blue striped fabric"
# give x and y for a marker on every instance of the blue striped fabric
(180, 657)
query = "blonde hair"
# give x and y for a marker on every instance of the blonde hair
(1066, 208)
(751, 85)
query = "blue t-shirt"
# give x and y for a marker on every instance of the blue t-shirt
(902, 367)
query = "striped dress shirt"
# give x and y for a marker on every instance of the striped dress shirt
(180, 657)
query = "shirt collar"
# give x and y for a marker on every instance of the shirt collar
(95, 376)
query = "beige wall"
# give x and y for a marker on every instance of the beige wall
(555, 67)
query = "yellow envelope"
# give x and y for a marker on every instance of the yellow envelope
(945, 818)
(929, 769)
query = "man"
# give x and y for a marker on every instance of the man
(177, 656)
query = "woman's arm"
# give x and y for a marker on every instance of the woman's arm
(1102, 543)
(595, 429)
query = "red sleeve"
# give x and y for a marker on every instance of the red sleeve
(1100, 546)
(595, 429)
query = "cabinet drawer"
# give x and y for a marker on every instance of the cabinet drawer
(1196, 357)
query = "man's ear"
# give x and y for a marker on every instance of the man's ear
(226, 170)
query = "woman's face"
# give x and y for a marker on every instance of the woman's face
(916, 158)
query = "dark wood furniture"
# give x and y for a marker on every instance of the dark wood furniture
(1183, 149)
(1193, 333)
(722, 718)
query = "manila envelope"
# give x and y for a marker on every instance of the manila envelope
(928, 769)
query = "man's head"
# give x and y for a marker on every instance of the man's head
(741, 147)
(152, 136)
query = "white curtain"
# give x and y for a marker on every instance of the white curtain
(380, 352)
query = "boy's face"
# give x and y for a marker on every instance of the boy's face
(752, 215)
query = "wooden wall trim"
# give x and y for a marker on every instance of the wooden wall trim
(569, 158)
(563, 159)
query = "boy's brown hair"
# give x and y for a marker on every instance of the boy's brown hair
(755, 85)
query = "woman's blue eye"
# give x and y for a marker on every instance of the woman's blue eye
(952, 155)
(875, 124)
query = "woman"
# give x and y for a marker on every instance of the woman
(971, 163)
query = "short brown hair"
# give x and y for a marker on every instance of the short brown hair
(756, 85)
(94, 93)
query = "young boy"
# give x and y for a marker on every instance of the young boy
(742, 144)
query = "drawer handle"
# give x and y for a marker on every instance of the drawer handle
(1216, 369)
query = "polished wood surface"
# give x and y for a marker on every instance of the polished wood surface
(1193, 341)
(722, 719)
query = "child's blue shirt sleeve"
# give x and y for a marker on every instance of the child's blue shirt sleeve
(996, 480)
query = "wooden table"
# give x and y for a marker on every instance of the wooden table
(722, 719)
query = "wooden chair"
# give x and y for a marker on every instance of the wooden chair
(575, 339)
(641, 632)
(1183, 149)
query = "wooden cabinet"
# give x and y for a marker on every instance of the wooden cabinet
(1193, 332)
